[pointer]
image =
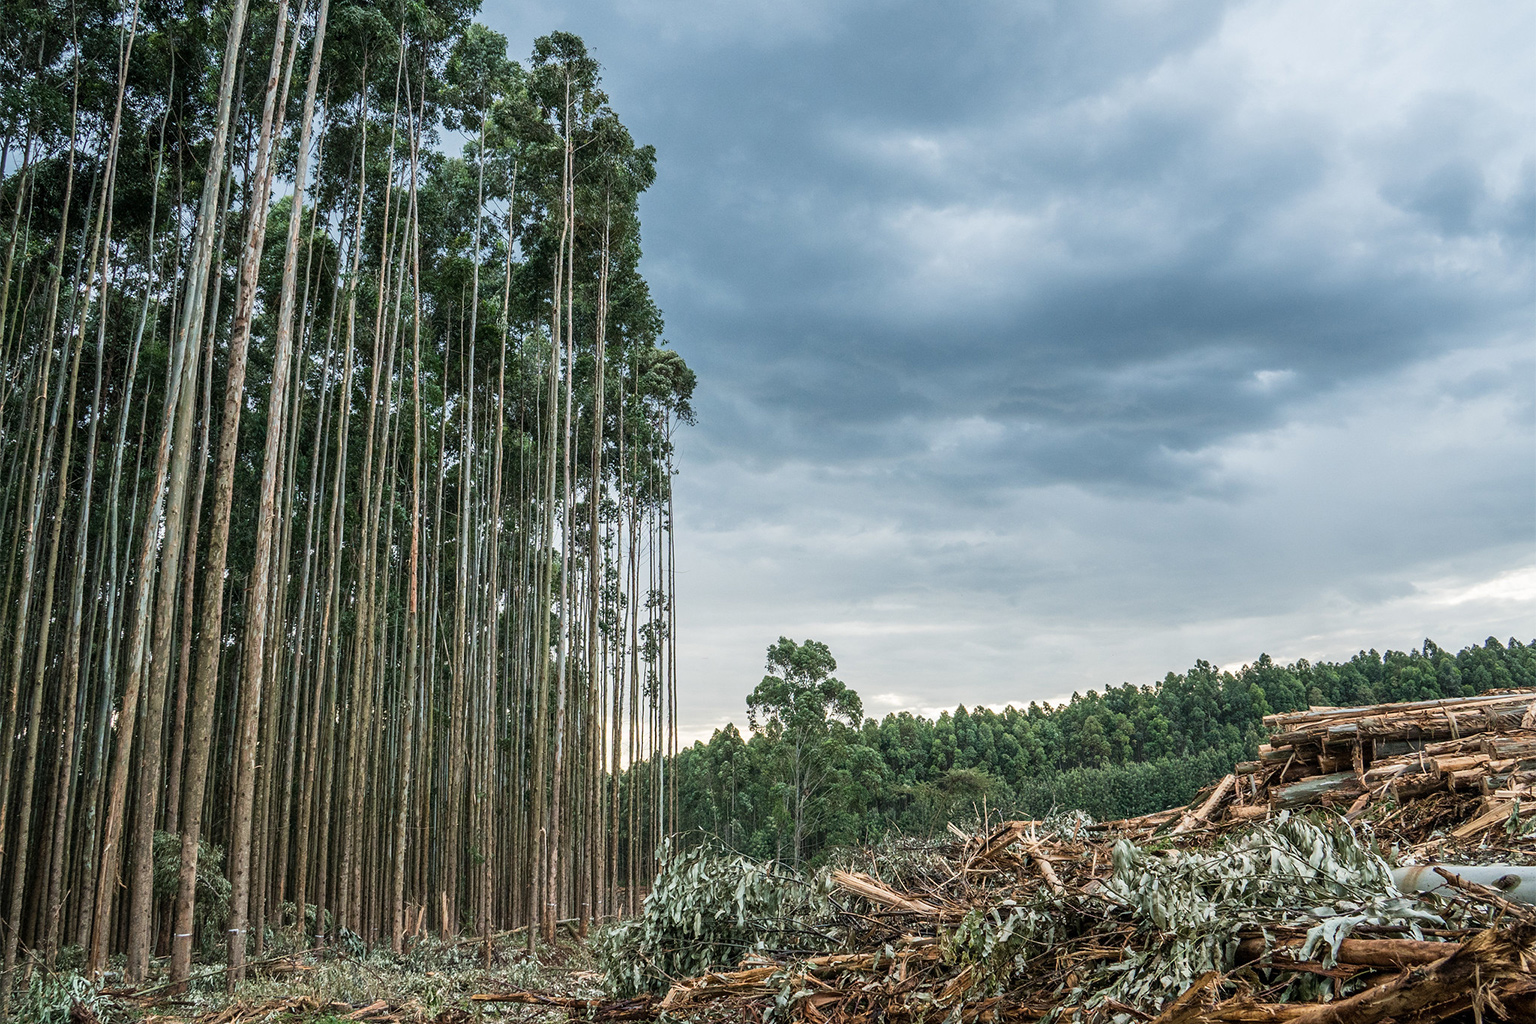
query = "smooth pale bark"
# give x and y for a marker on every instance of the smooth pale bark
(456, 691)
(188, 608)
(363, 581)
(22, 192)
(210, 631)
(22, 850)
(539, 910)
(41, 456)
(420, 732)
(413, 584)
(117, 563)
(190, 342)
(171, 462)
(595, 563)
(257, 593)
(305, 658)
(563, 679)
(496, 539)
(68, 744)
(327, 675)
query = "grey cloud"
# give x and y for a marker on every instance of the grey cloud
(1453, 197)
(1063, 334)
(825, 345)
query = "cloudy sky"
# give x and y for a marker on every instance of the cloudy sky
(1049, 345)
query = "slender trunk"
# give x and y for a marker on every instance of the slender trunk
(210, 631)
(412, 625)
(257, 596)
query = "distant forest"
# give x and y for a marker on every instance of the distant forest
(815, 762)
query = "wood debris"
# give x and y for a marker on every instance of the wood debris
(905, 968)
(914, 944)
(297, 1008)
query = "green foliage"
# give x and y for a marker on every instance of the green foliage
(49, 999)
(708, 909)
(816, 756)
(1291, 870)
(799, 693)
(1124, 791)
(1189, 907)
(211, 893)
(433, 975)
(70, 958)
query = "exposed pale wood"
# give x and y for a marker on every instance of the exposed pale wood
(1515, 744)
(1493, 816)
(1458, 762)
(1447, 986)
(1211, 803)
(1315, 788)
(1498, 698)
(1187, 1008)
(1043, 865)
(1410, 787)
(1384, 953)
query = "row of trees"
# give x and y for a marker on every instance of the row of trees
(815, 774)
(335, 481)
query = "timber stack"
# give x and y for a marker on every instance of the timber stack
(1475, 755)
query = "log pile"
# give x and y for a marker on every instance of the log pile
(1474, 757)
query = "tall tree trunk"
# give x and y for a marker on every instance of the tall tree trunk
(210, 631)
(409, 684)
(257, 593)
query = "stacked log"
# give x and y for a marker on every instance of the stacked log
(1482, 748)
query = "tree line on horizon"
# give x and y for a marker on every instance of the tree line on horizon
(813, 775)
(336, 551)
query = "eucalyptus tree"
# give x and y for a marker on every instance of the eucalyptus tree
(801, 701)
(355, 687)
(210, 641)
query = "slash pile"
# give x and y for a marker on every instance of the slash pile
(1257, 903)
(300, 1008)
(1028, 923)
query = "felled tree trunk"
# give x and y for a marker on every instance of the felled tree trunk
(1311, 790)
(1385, 953)
(1448, 986)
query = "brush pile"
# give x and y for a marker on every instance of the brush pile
(1294, 921)
(299, 1008)
(1268, 899)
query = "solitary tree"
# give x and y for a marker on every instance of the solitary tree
(800, 701)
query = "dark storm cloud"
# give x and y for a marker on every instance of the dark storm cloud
(779, 248)
(871, 214)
